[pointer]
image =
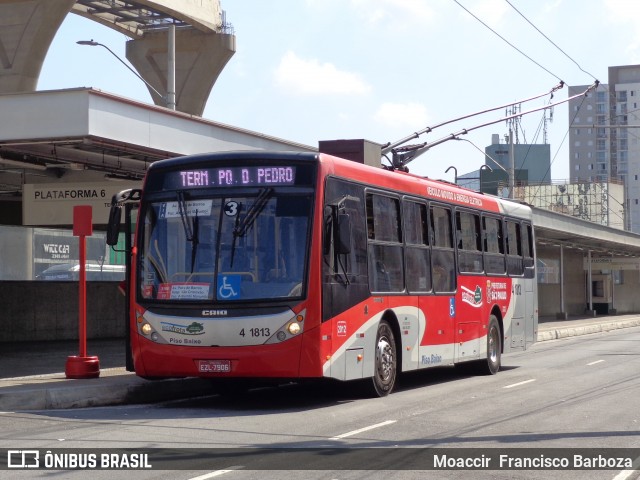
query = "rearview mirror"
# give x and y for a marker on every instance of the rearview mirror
(113, 227)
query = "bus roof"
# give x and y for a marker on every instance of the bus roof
(412, 184)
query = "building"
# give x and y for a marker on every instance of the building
(597, 198)
(604, 137)
(532, 165)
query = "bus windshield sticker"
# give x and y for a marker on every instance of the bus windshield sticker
(201, 208)
(229, 286)
(183, 291)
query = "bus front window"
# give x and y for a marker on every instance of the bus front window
(232, 249)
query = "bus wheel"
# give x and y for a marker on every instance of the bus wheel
(494, 348)
(386, 361)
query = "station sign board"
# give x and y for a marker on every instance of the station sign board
(612, 263)
(52, 203)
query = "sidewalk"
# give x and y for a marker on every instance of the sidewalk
(32, 374)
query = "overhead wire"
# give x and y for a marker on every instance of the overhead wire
(507, 41)
(389, 146)
(413, 151)
(550, 41)
(548, 71)
(571, 59)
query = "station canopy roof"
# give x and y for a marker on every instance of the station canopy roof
(556, 229)
(50, 133)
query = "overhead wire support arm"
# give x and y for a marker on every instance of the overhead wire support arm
(403, 155)
(392, 146)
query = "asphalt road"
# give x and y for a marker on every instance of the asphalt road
(580, 392)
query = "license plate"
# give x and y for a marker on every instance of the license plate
(214, 366)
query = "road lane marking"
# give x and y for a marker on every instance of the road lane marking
(217, 473)
(520, 383)
(593, 363)
(370, 427)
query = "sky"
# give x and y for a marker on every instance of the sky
(311, 70)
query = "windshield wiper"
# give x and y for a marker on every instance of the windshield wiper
(186, 223)
(195, 240)
(191, 229)
(235, 237)
(254, 211)
(242, 226)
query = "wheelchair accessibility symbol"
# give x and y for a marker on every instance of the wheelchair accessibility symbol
(229, 286)
(452, 307)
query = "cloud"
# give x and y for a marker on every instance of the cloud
(622, 10)
(404, 115)
(395, 11)
(491, 12)
(310, 77)
(626, 13)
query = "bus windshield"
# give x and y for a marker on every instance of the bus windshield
(224, 249)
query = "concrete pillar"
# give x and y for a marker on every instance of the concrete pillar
(199, 59)
(27, 28)
(590, 311)
(562, 314)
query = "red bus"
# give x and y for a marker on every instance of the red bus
(273, 266)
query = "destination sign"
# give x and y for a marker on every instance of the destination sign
(249, 176)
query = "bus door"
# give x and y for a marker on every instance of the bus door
(345, 284)
(530, 285)
(473, 288)
(515, 270)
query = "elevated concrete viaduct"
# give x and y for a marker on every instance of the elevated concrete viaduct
(203, 42)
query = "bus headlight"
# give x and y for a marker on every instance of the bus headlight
(294, 328)
(146, 329)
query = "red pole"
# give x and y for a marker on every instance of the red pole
(82, 299)
(82, 366)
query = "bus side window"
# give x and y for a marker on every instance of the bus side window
(527, 247)
(493, 246)
(417, 251)
(385, 248)
(469, 245)
(514, 249)
(443, 254)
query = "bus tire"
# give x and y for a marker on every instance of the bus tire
(386, 361)
(492, 364)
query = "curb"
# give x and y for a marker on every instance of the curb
(565, 332)
(118, 390)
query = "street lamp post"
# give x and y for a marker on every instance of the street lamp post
(169, 102)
